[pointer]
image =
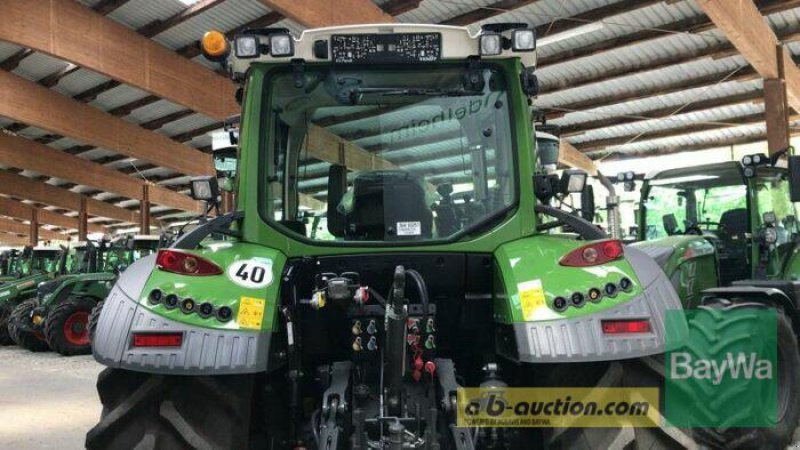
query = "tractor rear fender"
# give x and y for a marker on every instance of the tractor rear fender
(532, 328)
(95, 285)
(771, 294)
(231, 343)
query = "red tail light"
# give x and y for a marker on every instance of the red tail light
(185, 263)
(593, 254)
(157, 339)
(625, 326)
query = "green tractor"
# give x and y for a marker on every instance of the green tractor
(395, 240)
(37, 264)
(726, 235)
(58, 317)
(11, 266)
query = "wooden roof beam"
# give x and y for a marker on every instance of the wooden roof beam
(12, 240)
(38, 106)
(83, 37)
(325, 13)
(19, 228)
(23, 153)
(23, 211)
(692, 25)
(22, 187)
(747, 30)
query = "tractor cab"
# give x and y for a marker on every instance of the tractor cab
(47, 260)
(11, 266)
(742, 210)
(124, 251)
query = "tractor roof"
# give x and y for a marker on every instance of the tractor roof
(457, 43)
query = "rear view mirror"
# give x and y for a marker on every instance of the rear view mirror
(587, 203)
(794, 178)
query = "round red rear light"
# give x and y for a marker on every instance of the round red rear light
(612, 249)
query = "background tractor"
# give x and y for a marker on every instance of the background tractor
(434, 267)
(12, 265)
(58, 318)
(39, 264)
(726, 235)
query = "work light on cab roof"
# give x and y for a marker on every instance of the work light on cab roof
(374, 44)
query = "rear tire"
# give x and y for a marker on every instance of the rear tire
(143, 410)
(94, 318)
(5, 312)
(18, 321)
(67, 327)
(728, 335)
(627, 373)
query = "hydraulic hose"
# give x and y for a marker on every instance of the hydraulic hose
(423, 292)
(396, 317)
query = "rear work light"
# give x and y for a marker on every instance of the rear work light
(157, 339)
(593, 254)
(185, 263)
(625, 326)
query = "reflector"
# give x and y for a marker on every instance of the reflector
(157, 339)
(625, 326)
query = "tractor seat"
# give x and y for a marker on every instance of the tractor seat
(388, 205)
(734, 222)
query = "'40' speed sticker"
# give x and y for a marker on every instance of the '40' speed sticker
(253, 273)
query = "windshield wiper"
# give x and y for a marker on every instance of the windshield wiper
(386, 91)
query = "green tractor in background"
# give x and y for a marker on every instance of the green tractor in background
(727, 236)
(38, 264)
(12, 265)
(58, 317)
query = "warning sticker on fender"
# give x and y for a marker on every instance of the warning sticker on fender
(409, 228)
(531, 297)
(251, 313)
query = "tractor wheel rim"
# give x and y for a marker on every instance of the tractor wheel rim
(76, 328)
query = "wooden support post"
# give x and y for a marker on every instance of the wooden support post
(228, 202)
(144, 210)
(776, 107)
(34, 234)
(83, 220)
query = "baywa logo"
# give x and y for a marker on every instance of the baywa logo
(723, 373)
(684, 366)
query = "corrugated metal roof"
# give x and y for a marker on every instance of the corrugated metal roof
(645, 80)
(676, 100)
(79, 81)
(138, 13)
(720, 115)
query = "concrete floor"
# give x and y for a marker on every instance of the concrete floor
(47, 401)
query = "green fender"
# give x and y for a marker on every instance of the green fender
(94, 285)
(221, 290)
(530, 278)
(23, 287)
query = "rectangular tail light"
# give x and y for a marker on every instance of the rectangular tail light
(625, 326)
(157, 339)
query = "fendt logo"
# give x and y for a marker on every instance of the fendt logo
(742, 365)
